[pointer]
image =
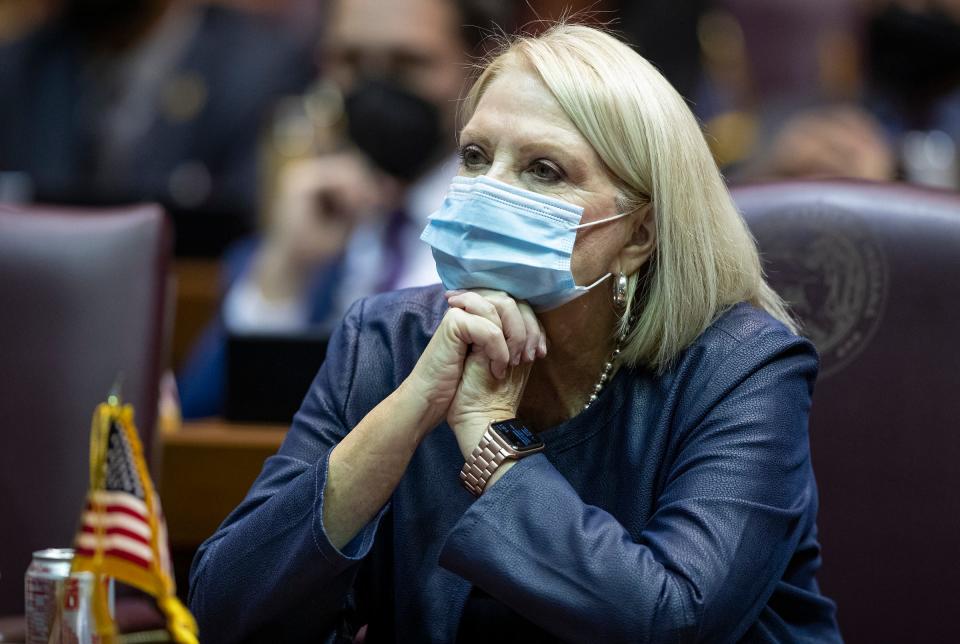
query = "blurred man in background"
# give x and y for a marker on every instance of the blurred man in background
(114, 101)
(346, 223)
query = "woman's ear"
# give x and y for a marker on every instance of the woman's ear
(642, 242)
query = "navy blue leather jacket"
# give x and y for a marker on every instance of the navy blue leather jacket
(679, 507)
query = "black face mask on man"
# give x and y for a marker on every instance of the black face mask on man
(398, 130)
(915, 55)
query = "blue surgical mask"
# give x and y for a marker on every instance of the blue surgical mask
(488, 234)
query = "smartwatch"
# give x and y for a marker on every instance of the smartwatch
(504, 440)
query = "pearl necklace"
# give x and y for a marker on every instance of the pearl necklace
(608, 366)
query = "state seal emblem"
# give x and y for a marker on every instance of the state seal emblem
(833, 273)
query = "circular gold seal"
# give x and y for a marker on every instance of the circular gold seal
(832, 271)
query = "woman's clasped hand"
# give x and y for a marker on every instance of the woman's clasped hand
(476, 366)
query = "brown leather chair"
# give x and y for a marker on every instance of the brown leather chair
(82, 301)
(873, 272)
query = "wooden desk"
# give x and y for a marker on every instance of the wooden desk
(197, 291)
(206, 468)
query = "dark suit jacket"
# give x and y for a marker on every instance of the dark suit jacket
(242, 65)
(678, 507)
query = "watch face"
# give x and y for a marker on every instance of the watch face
(517, 435)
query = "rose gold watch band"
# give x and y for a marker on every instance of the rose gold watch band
(483, 462)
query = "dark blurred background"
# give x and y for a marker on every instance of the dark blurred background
(297, 147)
(197, 105)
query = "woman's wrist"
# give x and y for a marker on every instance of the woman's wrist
(469, 428)
(414, 403)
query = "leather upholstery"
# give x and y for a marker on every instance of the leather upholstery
(82, 300)
(873, 271)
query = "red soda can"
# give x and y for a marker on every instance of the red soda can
(60, 602)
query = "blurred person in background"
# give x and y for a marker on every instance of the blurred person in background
(903, 120)
(346, 223)
(113, 101)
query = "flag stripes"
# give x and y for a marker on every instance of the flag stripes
(126, 500)
(108, 521)
(116, 522)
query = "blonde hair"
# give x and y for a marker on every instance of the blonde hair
(705, 259)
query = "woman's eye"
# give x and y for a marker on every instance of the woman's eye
(546, 171)
(472, 157)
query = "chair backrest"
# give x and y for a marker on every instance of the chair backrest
(82, 301)
(873, 272)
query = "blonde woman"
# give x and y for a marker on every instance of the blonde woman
(598, 433)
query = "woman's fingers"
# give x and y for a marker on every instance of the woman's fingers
(542, 343)
(514, 327)
(477, 305)
(500, 308)
(525, 337)
(534, 331)
(484, 335)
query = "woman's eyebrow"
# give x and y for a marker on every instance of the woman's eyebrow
(473, 137)
(548, 147)
(564, 154)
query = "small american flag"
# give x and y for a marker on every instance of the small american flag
(122, 531)
(117, 516)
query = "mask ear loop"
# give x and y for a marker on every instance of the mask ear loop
(597, 223)
(606, 219)
(600, 221)
(600, 279)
